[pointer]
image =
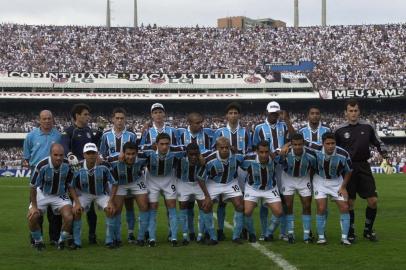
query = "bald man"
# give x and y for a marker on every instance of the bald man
(37, 146)
(54, 194)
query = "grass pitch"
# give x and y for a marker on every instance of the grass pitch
(16, 253)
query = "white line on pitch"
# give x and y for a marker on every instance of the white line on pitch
(275, 257)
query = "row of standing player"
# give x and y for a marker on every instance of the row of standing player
(268, 131)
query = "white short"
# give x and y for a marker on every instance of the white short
(188, 191)
(136, 188)
(290, 184)
(229, 190)
(268, 196)
(86, 200)
(242, 178)
(158, 184)
(56, 202)
(323, 187)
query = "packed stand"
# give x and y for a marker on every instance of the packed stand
(23, 123)
(347, 57)
(11, 157)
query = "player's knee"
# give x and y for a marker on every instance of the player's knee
(68, 217)
(239, 207)
(321, 209)
(144, 207)
(247, 212)
(277, 212)
(344, 208)
(35, 218)
(208, 210)
(153, 206)
(372, 202)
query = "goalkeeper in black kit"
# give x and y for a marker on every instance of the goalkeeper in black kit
(74, 138)
(356, 136)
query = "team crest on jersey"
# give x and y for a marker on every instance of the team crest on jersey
(280, 133)
(347, 135)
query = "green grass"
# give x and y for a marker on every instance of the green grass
(16, 253)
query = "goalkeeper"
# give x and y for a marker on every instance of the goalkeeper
(74, 138)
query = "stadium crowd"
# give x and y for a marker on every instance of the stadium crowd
(25, 122)
(12, 156)
(347, 57)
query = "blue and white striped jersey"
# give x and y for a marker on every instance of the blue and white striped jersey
(162, 165)
(186, 172)
(260, 176)
(203, 138)
(332, 166)
(51, 180)
(240, 138)
(125, 173)
(275, 134)
(219, 170)
(93, 181)
(299, 166)
(314, 135)
(111, 144)
(149, 137)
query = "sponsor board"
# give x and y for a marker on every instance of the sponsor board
(15, 173)
(160, 96)
(386, 93)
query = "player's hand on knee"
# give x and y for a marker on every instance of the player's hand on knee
(343, 192)
(77, 209)
(110, 208)
(32, 212)
(207, 204)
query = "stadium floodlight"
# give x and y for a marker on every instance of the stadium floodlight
(323, 12)
(135, 14)
(108, 15)
(296, 13)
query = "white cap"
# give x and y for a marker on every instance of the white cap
(157, 106)
(273, 106)
(89, 147)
